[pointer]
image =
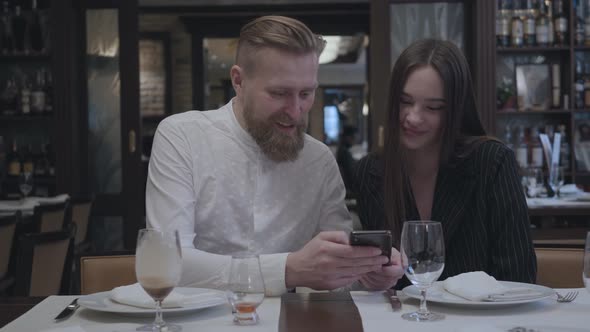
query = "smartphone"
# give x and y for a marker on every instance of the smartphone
(380, 239)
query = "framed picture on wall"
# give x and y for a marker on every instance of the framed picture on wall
(533, 87)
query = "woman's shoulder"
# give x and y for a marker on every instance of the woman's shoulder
(489, 156)
(371, 164)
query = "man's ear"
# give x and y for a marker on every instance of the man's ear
(237, 75)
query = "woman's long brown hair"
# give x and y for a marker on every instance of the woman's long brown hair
(462, 130)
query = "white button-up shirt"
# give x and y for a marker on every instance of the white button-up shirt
(209, 179)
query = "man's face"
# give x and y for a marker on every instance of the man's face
(276, 95)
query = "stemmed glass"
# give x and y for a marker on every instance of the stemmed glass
(25, 184)
(423, 258)
(246, 289)
(158, 267)
(556, 179)
(534, 181)
(586, 272)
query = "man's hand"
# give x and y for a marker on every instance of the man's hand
(387, 276)
(328, 262)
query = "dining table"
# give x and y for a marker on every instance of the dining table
(354, 311)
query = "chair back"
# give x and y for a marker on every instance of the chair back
(44, 263)
(7, 229)
(560, 267)
(103, 273)
(81, 216)
(52, 217)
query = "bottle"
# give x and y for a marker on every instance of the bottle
(48, 91)
(529, 25)
(586, 16)
(28, 163)
(35, 31)
(560, 24)
(587, 85)
(38, 94)
(25, 98)
(50, 160)
(550, 25)
(564, 150)
(10, 98)
(508, 137)
(536, 148)
(579, 86)
(516, 27)
(579, 24)
(542, 26)
(19, 27)
(2, 159)
(503, 24)
(521, 149)
(555, 85)
(41, 163)
(13, 161)
(7, 34)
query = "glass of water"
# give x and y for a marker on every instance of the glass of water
(423, 258)
(25, 183)
(246, 289)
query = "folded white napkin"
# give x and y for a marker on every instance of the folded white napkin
(18, 205)
(50, 200)
(479, 286)
(134, 295)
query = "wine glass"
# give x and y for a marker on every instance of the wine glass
(534, 181)
(556, 179)
(423, 259)
(586, 272)
(158, 266)
(25, 183)
(246, 289)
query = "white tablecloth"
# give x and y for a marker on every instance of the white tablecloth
(374, 309)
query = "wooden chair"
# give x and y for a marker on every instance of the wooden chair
(52, 217)
(44, 264)
(104, 272)
(7, 231)
(560, 267)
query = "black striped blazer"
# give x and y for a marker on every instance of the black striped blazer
(482, 208)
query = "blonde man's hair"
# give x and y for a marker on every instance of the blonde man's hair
(279, 32)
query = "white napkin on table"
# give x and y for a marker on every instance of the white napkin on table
(134, 295)
(479, 286)
(50, 200)
(18, 205)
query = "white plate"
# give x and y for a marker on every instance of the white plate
(102, 302)
(437, 294)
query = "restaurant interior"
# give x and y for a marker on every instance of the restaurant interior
(85, 83)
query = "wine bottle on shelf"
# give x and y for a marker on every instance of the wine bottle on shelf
(550, 25)
(579, 86)
(28, 163)
(50, 159)
(10, 98)
(522, 149)
(516, 26)
(536, 148)
(565, 153)
(579, 24)
(561, 24)
(48, 91)
(587, 85)
(508, 137)
(19, 28)
(13, 161)
(38, 94)
(7, 33)
(555, 85)
(529, 25)
(25, 97)
(586, 16)
(542, 26)
(35, 31)
(41, 163)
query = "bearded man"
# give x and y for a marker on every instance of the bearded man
(247, 179)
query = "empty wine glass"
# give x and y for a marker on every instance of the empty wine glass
(246, 289)
(423, 259)
(158, 266)
(586, 272)
(556, 179)
(534, 181)
(25, 183)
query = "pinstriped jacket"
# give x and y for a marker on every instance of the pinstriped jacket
(481, 206)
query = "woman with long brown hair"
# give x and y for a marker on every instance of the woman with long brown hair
(439, 164)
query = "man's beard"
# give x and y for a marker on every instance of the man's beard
(277, 146)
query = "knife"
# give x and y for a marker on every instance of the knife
(395, 302)
(68, 311)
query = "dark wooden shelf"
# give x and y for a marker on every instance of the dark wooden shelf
(582, 48)
(533, 49)
(34, 117)
(42, 180)
(11, 58)
(515, 112)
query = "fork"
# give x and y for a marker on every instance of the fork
(568, 297)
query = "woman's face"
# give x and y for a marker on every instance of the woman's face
(422, 108)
